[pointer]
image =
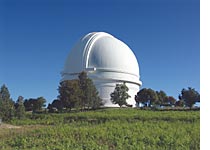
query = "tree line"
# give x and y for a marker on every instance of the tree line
(148, 97)
(81, 94)
(10, 109)
(78, 94)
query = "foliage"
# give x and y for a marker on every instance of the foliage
(179, 103)
(28, 103)
(34, 104)
(189, 96)
(79, 93)
(162, 97)
(149, 97)
(168, 101)
(106, 129)
(90, 97)
(146, 96)
(20, 108)
(70, 93)
(6, 104)
(171, 100)
(56, 105)
(120, 94)
(95, 101)
(40, 103)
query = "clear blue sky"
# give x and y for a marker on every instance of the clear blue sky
(37, 35)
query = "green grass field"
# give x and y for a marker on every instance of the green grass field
(105, 129)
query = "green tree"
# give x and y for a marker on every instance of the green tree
(120, 94)
(70, 94)
(147, 97)
(6, 104)
(50, 108)
(20, 108)
(79, 93)
(162, 98)
(171, 100)
(89, 96)
(85, 88)
(57, 104)
(165, 100)
(94, 101)
(189, 96)
(28, 103)
(40, 103)
(34, 104)
(179, 103)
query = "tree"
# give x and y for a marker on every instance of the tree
(189, 96)
(89, 96)
(179, 103)
(120, 94)
(79, 93)
(34, 104)
(171, 100)
(94, 101)
(83, 84)
(70, 93)
(56, 104)
(50, 108)
(28, 103)
(20, 108)
(39, 103)
(162, 98)
(146, 97)
(6, 104)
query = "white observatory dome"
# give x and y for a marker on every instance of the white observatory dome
(107, 61)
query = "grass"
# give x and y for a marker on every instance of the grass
(106, 129)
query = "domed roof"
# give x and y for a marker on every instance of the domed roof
(101, 51)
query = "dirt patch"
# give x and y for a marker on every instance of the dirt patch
(8, 126)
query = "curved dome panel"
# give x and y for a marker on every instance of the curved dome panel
(110, 54)
(74, 61)
(107, 61)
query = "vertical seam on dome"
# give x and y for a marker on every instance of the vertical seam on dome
(89, 45)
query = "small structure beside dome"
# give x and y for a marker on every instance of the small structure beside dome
(107, 61)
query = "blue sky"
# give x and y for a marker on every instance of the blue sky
(37, 35)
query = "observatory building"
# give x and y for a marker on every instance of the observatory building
(107, 61)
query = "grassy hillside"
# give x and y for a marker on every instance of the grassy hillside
(105, 129)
